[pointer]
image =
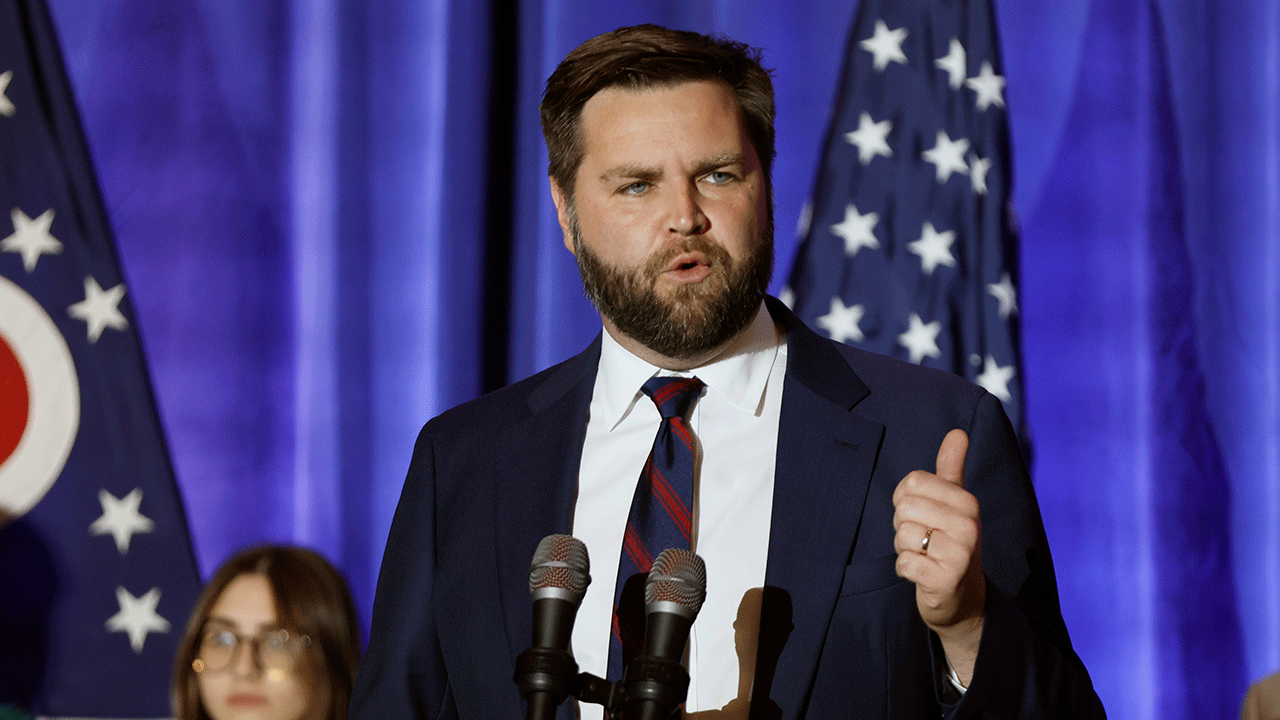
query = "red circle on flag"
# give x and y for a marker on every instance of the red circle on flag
(15, 401)
(39, 401)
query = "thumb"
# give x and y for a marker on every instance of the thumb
(951, 456)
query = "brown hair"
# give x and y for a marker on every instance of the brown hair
(646, 56)
(311, 597)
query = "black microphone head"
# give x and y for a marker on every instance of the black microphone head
(560, 569)
(677, 583)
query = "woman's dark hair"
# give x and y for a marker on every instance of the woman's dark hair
(311, 598)
(646, 56)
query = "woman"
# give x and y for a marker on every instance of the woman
(273, 637)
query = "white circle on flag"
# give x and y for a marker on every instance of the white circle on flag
(53, 392)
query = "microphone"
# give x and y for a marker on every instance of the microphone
(546, 673)
(657, 682)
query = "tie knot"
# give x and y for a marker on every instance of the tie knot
(673, 395)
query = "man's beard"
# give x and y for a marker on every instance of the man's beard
(697, 317)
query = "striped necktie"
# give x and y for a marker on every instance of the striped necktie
(661, 513)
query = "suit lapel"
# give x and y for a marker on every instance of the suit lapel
(537, 479)
(825, 459)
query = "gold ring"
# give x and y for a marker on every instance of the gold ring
(924, 544)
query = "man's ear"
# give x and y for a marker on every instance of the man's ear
(562, 212)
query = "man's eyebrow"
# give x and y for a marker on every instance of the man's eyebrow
(706, 165)
(718, 161)
(637, 172)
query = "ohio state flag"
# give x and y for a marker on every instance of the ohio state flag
(96, 571)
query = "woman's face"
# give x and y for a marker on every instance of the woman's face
(258, 683)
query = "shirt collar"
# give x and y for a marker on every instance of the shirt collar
(740, 375)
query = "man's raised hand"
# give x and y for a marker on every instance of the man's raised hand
(939, 544)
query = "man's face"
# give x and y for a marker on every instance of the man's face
(670, 221)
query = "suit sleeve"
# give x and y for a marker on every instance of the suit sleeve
(1026, 667)
(402, 674)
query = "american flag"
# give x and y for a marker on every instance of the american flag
(96, 571)
(907, 248)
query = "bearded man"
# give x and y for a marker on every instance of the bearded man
(872, 542)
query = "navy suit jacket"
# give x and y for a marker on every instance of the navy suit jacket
(840, 633)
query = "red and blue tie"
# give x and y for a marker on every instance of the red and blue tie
(661, 513)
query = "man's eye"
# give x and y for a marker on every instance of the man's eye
(635, 188)
(720, 177)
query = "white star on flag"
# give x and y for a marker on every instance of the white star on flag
(989, 86)
(954, 63)
(871, 138)
(31, 238)
(921, 339)
(978, 168)
(806, 217)
(137, 617)
(6, 105)
(841, 323)
(1005, 295)
(995, 379)
(120, 518)
(934, 248)
(857, 230)
(100, 308)
(886, 45)
(787, 297)
(948, 156)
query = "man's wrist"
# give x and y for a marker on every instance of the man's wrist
(960, 643)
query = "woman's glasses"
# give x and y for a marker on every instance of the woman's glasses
(272, 649)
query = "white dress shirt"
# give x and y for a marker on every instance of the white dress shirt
(735, 423)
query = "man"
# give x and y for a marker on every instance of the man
(872, 541)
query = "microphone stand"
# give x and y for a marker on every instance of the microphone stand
(546, 678)
(652, 688)
(655, 688)
(598, 691)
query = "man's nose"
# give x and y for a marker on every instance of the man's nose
(686, 215)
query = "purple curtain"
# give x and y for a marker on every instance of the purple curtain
(334, 223)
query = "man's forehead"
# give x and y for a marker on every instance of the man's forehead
(642, 92)
(612, 116)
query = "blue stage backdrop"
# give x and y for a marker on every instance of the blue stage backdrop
(333, 222)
